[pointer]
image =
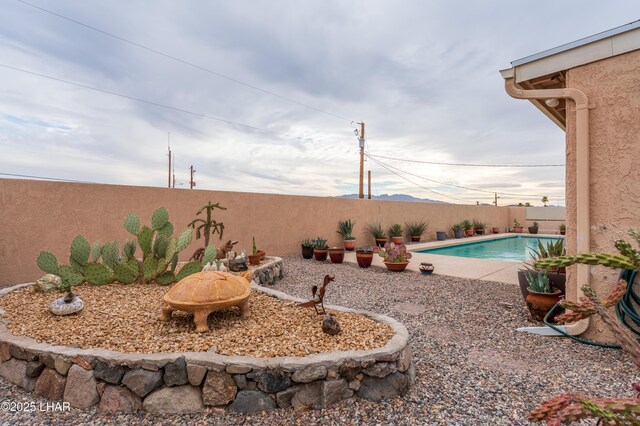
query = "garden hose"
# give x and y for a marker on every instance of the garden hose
(625, 310)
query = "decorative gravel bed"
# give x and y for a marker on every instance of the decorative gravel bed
(473, 368)
(126, 319)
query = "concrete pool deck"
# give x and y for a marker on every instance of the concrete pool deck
(461, 267)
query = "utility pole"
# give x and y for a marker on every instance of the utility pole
(495, 198)
(191, 182)
(174, 171)
(361, 143)
(369, 192)
(169, 148)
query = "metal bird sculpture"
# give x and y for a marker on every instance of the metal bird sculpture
(318, 296)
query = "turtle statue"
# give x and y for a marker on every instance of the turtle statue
(205, 292)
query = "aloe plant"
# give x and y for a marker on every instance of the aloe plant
(539, 282)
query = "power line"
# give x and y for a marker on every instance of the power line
(44, 178)
(459, 186)
(185, 62)
(466, 164)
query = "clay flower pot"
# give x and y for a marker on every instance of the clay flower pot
(495, 230)
(397, 240)
(541, 303)
(468, 232)
(480, 231)
(518, 229)
(307, 252)
(415, 238)
(533, 229)
(336, 254)
(320, 254)
(254, 259)
(380, 242)
(350, 244)
(396, 266)
(364, 258)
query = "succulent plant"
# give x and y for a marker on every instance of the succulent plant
(320, 243)
(207, 227)
(345, 228)
(393, 252)
(466, 225)
(307, 243)
(539, 282)
(395, 230)
(376, 230)
(416, 229)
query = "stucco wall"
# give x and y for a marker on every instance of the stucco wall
(48, 215)
(613, 89)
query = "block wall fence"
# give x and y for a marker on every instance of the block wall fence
(39, 215)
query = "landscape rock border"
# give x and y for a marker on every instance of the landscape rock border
(163, 383)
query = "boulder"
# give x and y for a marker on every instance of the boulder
(175, 373)
(61, 366)
(15, 371)
(109, 373)
(283, 398)
(60, 307)
(141, 381)
(391, 386)
(330, 325)
(119, 399)
(80, 390)
(248, 402)
(218, 389)
(271, 381)
(309, 374)
(50, 385)
(174, 400)
(308, 395)
(48, 283)
(241, 380)
(5, 354)
(404, 361)
(196, 373)
(380, 369)
(34, 368)
(334, 391)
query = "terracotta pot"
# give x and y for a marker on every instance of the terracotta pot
(480, 231)
(254, 259)
(397, 240)
(320, 254)
(336, 254)
(307, 252)
(495, 230)
(518, 229)
(364, 258)
(563, 232)
(350, 244)
(533, 229)
(415, 238)
(541, 303)
(380, 242)
(441, 235)
(468, 232)
(396, 266)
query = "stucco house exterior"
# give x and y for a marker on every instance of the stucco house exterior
(591, 89)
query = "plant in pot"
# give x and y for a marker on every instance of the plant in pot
(467, 226)
(254, 258)
(376, 230)
(364, 256)
(557, 276)
(441, 235)
(533, 229)
(395, 256)
(320, 249)
(345, 228)
(336, 254)
(517, 227)
(495, 230)
(307, 248)
(562, 228)
(458, 230)
(542, 296)
(395, 233)
(416, 229)
(479, 226)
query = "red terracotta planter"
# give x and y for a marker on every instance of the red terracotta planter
(518, 229)
(541, 303)
(320, 254)
(336, 254)
(495, 230)
(380, 242)
(364, 259)
(468, 232)
(349, 244)
(415, 238)
(396, 266)
(397, 240)
(254, 260)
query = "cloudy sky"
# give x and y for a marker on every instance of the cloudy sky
(422, 75)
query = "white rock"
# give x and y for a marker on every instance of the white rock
(59, 307)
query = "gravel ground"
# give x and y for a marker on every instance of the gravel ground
(473, 368)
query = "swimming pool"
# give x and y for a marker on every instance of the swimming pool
(510, 249)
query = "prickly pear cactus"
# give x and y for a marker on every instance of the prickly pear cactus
(80, 250)
(47, 262)
(98, 273)
(159, 218)
(132, 223)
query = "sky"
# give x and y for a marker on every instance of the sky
(265, 96)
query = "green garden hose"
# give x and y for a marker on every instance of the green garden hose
(625, 310)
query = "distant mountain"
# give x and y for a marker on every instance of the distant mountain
(395, 197)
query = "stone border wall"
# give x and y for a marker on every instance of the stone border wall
(164, 383)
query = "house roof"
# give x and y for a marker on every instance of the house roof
(547, 69)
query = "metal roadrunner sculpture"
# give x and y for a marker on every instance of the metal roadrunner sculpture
(318, 296)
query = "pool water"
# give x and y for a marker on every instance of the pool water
(511, 249)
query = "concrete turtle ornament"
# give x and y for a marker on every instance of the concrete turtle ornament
(205, 292)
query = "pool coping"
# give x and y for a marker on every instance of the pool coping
(462, 267)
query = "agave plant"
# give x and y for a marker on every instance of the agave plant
(376, 230)
(345, 228)
(416, 229)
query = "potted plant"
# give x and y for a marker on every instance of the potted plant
(517, 227)
(441, 235)
(395, 233)
(495, 230)
(254, 258)
(307, 248)
(458, 231)
(395, 256)
(320, 249)
(336, 254)
(467, 226)
(562, 228)
(416, 229)
(378, 233)
(364, 256)
(542, 297)
(345, 228)
(479, 226)
(533, 229)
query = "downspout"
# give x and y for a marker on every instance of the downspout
(583, 224)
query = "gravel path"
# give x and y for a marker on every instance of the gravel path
(473, 368)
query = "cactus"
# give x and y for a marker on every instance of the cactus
(80, 249)
(47, 262)
(166, 278)
(166, 230)
(160, 245)
(159, 218)
(129, 249)
(605, 259)
(124, 274)
(132, 223)
(145, 239)
(188, 269)
(207, 227)
(184, 240)
(110, 254)
(149, 267)
(96, 251)
(98, 273)
(69, 277)
(209, 256)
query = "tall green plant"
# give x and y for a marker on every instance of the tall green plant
(395, 230)
(416, 229)
(376, 230)
(345, 228)
(207, 227)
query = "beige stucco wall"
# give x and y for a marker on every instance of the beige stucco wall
(48, 215)
(613, 89)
